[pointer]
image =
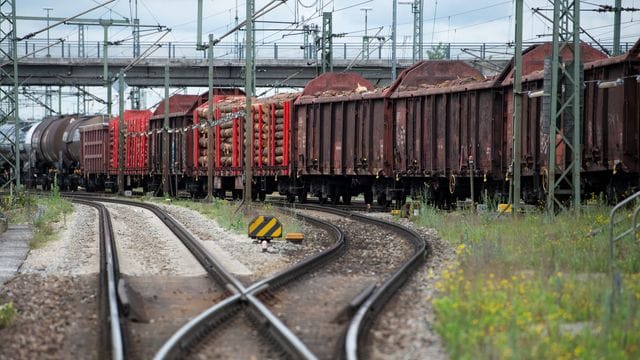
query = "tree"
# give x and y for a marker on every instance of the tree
(438, 52)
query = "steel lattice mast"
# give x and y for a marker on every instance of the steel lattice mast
(564, 108)
(9, 94)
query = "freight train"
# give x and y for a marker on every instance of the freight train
(439, 130)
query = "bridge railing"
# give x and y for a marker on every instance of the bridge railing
(378, 50)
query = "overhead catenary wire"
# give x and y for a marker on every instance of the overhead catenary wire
(30, 35)
(155, 46)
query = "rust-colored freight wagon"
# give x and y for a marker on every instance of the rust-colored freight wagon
(446, 121)
(180, 157)
(99, 147)
(340, 135)
(95, 148)
(611, 122)
(601, 117)
(271, 143)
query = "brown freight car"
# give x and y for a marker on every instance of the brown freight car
(609, 123)
(446, 122)
(99, 146)
(282, 139)
(534, 153)
(340, 137)
(180, 159)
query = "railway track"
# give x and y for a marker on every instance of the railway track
(262, 309)
(188, 340)
(112, 340)
(370, 276)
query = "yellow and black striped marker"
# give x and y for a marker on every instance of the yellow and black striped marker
(265, 228)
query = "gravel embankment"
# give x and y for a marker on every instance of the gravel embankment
(404, 328)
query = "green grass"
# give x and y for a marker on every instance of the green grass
(19, 208)
(530, 287)
(7, 314)
(41, 212)
(55, 210)
(229, 217)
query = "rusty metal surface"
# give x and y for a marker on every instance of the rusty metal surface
(438, 131)
(428, 73)
(610, 130)
(94, 148)
(343, 137)
(179, 105)
(533, 59)
(610, 119)
(180, 144)
(329, 84)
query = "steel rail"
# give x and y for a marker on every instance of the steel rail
(211, 264)
(374, 303)
(197, 327)
(191, 332)
(109, 276)
(307, 264)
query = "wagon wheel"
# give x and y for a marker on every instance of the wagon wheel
(382, 200)
(302, 196)
(368, 197)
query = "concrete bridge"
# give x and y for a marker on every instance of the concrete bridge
(191, 72)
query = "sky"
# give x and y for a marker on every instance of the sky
(455, 21)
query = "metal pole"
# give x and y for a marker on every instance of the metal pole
(105, 67)
(121, 131)
(565, 105)
(365, 42)
(420, 10)
(327, 42)
(555, 64)
(616, 27)
(210, 128)
(248, 148)
(165, 135)
(199, 30)
(80, 41)
(517, 110)
(48, 9)
(577, 105)
(305, 37)
(393, 40)
(16, 93)
(236, 43)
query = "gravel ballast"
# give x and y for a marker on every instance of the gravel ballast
(57, 284)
